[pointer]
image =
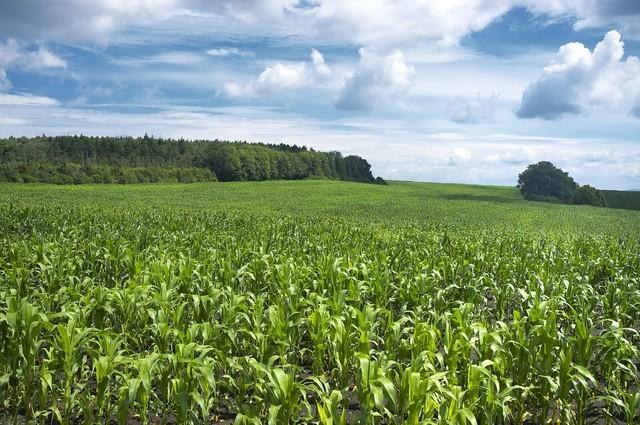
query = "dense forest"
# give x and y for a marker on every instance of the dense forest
(84, 159)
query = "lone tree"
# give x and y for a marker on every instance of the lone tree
(545, 182)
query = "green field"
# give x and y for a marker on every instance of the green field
(315, 302)
(427, 205)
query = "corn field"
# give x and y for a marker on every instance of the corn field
(166, 315)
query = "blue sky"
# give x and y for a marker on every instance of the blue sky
(462, 91)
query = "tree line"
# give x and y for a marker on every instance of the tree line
(70, 173)
(86, 159)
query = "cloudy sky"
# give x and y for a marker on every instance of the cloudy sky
(430, 90)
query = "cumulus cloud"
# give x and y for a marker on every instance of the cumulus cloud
(579, 78)
(282, 77)
(17, 54)
(277, 77)
(376, 80)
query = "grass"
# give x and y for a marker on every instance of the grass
(315, 302)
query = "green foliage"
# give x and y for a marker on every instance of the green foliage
(98, 173)
(589, 195)
(315, 302)
(83, 159)
(546, 183)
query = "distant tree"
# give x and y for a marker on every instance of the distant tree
(358, 168)
(589, 195)
(545, 182)
(227, 164)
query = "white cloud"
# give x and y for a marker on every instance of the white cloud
(394, 22)
(401, 22)
(635, 111)
(170, 58)
(229, 51)
(16, 54)
(376, 80)
(459, 156)
(513, 155)
(26, 100)
(321, 69)
(175, 58)
(277, 77)
(283, 77)
(473, 111)
(389, 23)
(249, 11)
(579, 79)
(623, 14)
(80, 20)
(5, 84)
(102, 22)
(43, 58)
(386, 23)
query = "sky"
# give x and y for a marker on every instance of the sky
(468, 91)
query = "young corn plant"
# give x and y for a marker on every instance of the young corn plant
(24, 324)
(329, 405)
(108, 362)
(72, 344)
(375, 390)
(286, 398)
